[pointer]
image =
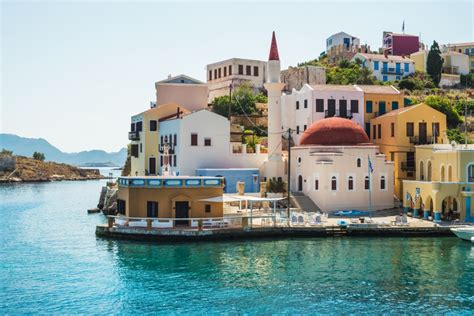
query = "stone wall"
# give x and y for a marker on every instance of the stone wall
(295, 78)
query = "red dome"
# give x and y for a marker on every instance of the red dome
(334, 131)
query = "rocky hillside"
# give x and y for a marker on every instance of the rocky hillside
(31, 170)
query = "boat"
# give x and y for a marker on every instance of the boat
(466, 233)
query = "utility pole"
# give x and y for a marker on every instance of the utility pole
(370, 185)
(289, 176)
(465, 124)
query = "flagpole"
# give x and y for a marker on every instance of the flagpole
(370, 185)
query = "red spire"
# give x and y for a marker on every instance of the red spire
(274, 49)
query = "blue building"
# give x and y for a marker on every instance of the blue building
(248, 175)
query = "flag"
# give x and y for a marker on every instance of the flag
(371, 168)
(403, 27)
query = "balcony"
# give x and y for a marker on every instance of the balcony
(408, 166)
(417, 140)
(392, 71)
(337, 113)
(133, 136)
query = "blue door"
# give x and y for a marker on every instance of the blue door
(381, 107)
(394, 105)
(397, 68)
(468, 210)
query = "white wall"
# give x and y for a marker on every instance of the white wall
(338, 39)
(391, 64)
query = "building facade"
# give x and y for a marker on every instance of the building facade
(386, 67)
(316, 102)
(343, 46)
(400, 44)
(228, 74)
(190, 93)
(397, 132)
(444, 185)
(331, 166)
(464, 48)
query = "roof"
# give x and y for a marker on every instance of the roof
(273, 49)
(332, 87)
(460, 44)
(342, 32)
(334, 131)
(384, 58)
(183, 78)
(162, 106)
(403, 110)
(378, 89)
(401, 34)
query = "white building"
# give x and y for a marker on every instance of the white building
(387, 67)
(330, 166)
(316, 102)
(228, 74)
(341, 38)
(200, 140)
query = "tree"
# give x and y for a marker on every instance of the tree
(434, 63)
(366, 76)
(38, 156)
(444, 105)
(242, 102)
(6, 152)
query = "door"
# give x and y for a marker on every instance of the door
(300, 183)
(382, 108)
(152, 165)
(331, 107)
(151, 209)
(343, 108)
(422, 133)
(182, 211)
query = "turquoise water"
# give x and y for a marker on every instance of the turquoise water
(51, 262)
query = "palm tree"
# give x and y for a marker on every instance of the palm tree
(366, 76)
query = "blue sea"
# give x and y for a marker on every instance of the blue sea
(52, 262)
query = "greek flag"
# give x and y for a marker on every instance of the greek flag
(371, 168)
(403, 27)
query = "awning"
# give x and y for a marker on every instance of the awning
(220, 199)
(256, 198)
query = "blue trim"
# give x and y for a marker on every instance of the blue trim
(405, 210)
(137, 182)
(212, 182)
(172, 182)
(154, 183)
(193, 182)
(437, 216)
(426, 214)
(416, 212)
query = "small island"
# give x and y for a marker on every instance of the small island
(25, 169)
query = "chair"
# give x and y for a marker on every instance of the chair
(300, 220)
(294, 220)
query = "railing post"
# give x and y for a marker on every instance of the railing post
(111, 221)
(148, 223)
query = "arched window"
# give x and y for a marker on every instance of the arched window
(470, 173)
(333, 183)
(366, 183)
(358, 162)
(316, 184)
(442, 175)
(350, 183)
(299, 159)
(382, 183)
(422, 171)
(428, 171)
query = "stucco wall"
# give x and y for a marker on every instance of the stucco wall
(191, 96)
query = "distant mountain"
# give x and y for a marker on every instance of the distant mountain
(23, 146)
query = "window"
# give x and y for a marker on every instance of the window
(367, 129)
(299, 159)
(392, 129)
(208, 208)
(382, 183)
(210, 75)
(255, 71)
(175, 140)
(374, 131)
(134, 150)
(354, 106)
(410, 129)
(359, 162)
(297, 129)
(215, 73)
(194, 139)
(305, 104)
(207, 142)
(132, 127)
(394, 105)
(153, 126)
(376, 65)
(385, 65)
(366, 183)
(392, 156)
(151, 209)
(319, 105)
(368, 106)
(407, 67)
(381, 107)
(241, 69)
(470, 173)
(139, 126)
(121, 206)
(141, 147)
(333, 184)
(297, 105)
(230, 70)
(379, 127)
(225, 71)
(161, 161)
(161, 138)
(304, 127)
(174, 160)
(248, 70)
(316, 184)
(219, 72)
(350, 183)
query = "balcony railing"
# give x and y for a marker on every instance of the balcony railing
(133, 135)
(338, 114)
(408, 166)
(392, 71)
(417, 140)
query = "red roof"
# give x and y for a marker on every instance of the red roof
(334, 131)
(274, 49)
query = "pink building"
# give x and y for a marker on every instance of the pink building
(400, 44)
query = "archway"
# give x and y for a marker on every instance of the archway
(300, 183)
(450, 209)
(427, 207)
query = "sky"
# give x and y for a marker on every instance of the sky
(74, 72)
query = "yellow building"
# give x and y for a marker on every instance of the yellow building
(444, 185)
(170, 197)
(145, 139)
(379, 100)
(397, 133)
